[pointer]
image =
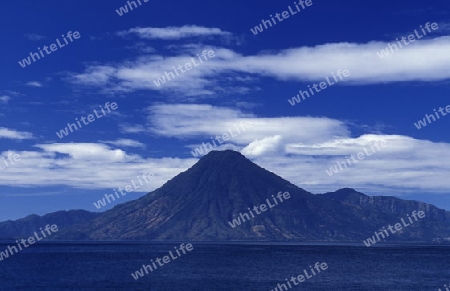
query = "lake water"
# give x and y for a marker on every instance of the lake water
(108, 266)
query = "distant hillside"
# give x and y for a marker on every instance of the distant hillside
(25, 227)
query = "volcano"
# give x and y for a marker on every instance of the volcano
(200, 203)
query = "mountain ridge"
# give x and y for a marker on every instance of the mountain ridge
(199, 203)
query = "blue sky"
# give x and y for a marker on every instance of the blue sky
(249, 79)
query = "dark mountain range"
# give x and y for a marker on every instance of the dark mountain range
(24, 227)
(387, 210)
(200, 203)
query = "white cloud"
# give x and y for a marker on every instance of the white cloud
(405, 164)
(196, 120)
(265, 146)
(4, 99)
(299, 149)
(424, 60)
(123, 142)
(87, 166)
(34, 84)
(13, 134)
(95, 76)
(129, 128)
(85, 151)
(141, 73)
(174, 33)
(337, 146)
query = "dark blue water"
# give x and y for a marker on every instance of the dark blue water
(108, 266)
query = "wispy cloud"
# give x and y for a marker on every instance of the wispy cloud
(34, 36)
(4, 99)
(444, 27)
(174, 33)
(300, 149)
(13, 93)
(131, 128)
(123, 142)
(13, 134)
(87, 166)
(198, 120)
(424, 60)
(141, 47)
(34, 84)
